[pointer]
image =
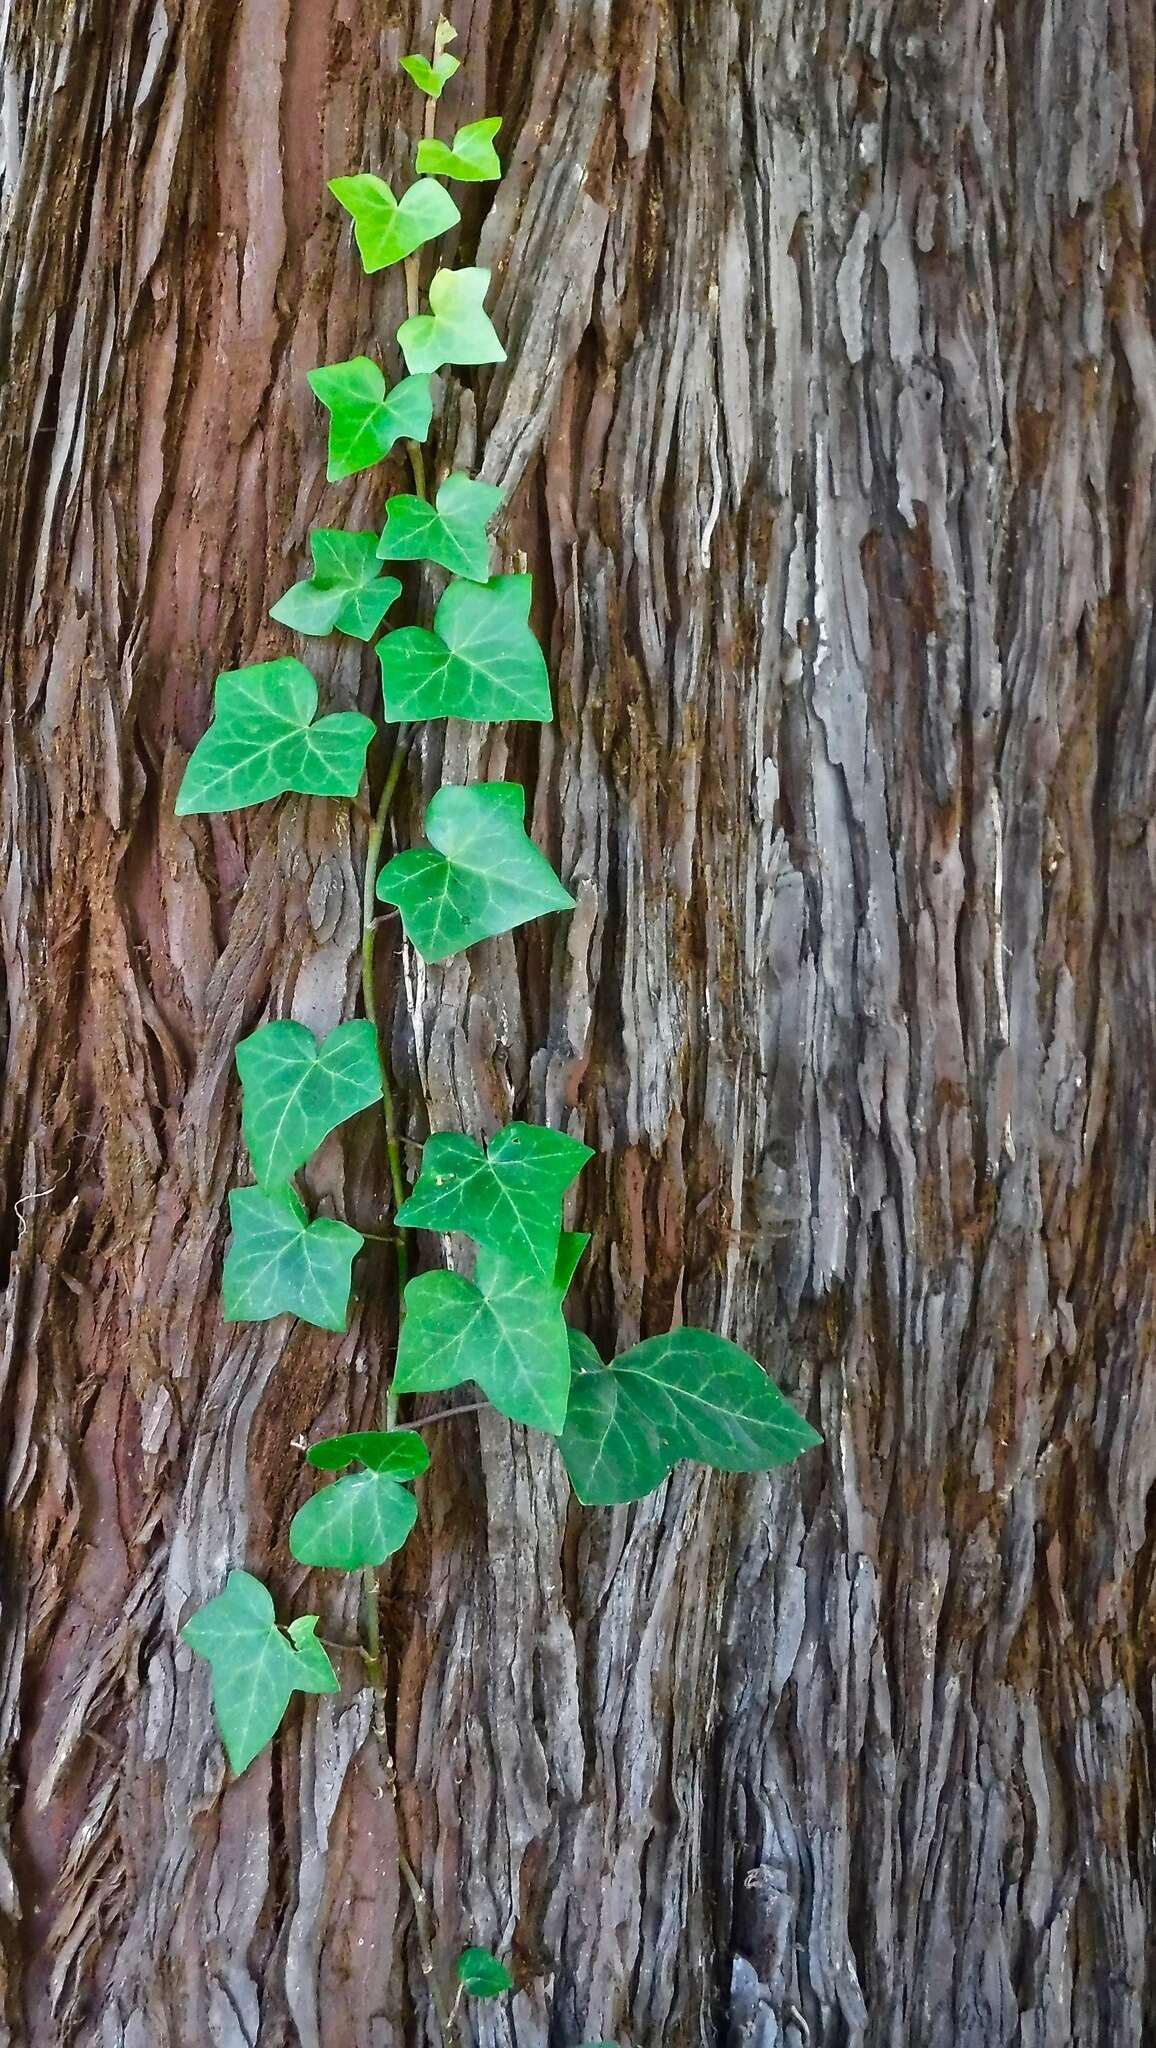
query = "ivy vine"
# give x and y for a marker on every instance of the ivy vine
(621, 1425)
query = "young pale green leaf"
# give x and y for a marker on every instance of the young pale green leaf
(357, 1521)
(504, 1329)
(472, 157)
(454, 534)
(398, 1452)
(295, 1090)
(430, 78)
(481, 1975)
(346, 591)
(687, 1395)
(508, 1198)
(388, 229)
(364, 424)
(256, 1668)
(278, 1263)
(486, 876)
(265, 740)
(456, 330)
(481, 661)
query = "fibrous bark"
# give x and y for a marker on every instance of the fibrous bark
(828, 426)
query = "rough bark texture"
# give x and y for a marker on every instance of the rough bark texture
(830, 422)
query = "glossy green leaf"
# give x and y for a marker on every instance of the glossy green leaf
(481, 1975)
(365, 423)
(346, 591)
(387, 229)
(471, 157)
(486, 876)
(265, 740)
(296, 1089)
(503, 1329)
(690, 1394)
(256, 1667)
(354, 1522)
(571, 1246)
(481, 661)
(456, 329)
(399, 1452)
(508, 1198)
(453, 534)
(278, 1263)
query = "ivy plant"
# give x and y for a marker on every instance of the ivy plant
(491, 1316)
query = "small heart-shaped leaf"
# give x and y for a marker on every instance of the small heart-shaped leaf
(278, 1263)
(265, 740)
(388, 229)
(472, 156)
(504, 1329)
(508, 1198)
(690, 1394)
(364, 424)
(256, 1667)
(480, 662)
(356, 1522)
(346, 591)
(481, 1975)
(456, 329)
(430, 78)
(486, 876)
(295, 1090)
(454, 534)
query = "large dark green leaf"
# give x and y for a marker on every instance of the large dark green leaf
(504, 1330)
(690, 1394)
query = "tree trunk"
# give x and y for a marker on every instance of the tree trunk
(829, 425)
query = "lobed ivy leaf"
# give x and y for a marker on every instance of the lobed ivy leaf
(453, 534)
(357, 1521)
(256, 1667)
(481, 661)
(399, 1452)
(387, 230)
(265, 740)
(296, 1089)
(481, 1975)
(485, 877)
(508, 1198)
(470, 158)
(690, 1394)
(346, 591)
(456, 330)
(278, 1263)
(365, 422)
(503, 1329)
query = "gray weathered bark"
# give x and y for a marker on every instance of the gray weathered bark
(829, 424)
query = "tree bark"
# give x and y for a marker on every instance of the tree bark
(828, 428)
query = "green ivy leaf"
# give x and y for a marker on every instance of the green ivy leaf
(278, 1263)
(430, 78)
(486, 876)
(387, 229)
(357, 1521)
(295, 1090)
(265, 740)
(346, 591)
(481, 661)
(481, 1975)
(508, 1198)
(690, 1394)
(571, 1246)
(456, 330)
(472, 157)
(399, 1452)
(256, 1668)
(503, 1329)
(364, 423)
(454, 534)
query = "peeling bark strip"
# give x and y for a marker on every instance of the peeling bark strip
(831, 420)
